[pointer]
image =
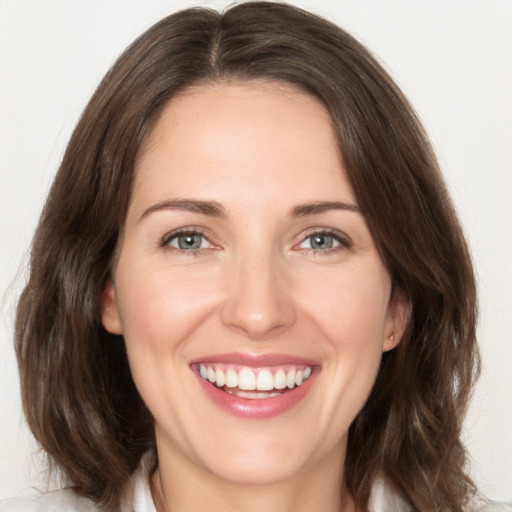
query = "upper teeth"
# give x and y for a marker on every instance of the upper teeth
(261, 379)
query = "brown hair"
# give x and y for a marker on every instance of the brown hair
(78, 395)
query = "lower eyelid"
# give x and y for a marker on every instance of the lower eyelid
(342, 241)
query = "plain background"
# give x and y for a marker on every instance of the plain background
(452, 58)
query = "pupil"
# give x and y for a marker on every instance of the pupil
(321, 242)
(189, 242)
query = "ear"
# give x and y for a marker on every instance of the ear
(397, 319)
(109, 311)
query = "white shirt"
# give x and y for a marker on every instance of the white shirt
(66, 500)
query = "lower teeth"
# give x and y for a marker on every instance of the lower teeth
(258, 395)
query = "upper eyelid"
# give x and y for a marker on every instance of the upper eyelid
(324, 230)
(343, 239)
(187, 230)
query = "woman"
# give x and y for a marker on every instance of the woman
(249, 284)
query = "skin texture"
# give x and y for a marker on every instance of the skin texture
(254, 286)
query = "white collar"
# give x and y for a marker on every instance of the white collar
(382, 499)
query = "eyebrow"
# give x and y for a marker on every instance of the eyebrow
(215, 209)
(210, 208)
(322, 206)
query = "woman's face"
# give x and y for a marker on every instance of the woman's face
(245, 262)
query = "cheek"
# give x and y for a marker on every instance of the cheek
(159, 306)
(350, 310)
(350, 305)
(160, 310)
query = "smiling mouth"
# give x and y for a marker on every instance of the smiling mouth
(254, 383)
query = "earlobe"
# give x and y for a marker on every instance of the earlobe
(399, 310)
(109, 311)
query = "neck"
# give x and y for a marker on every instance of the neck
(180, 486)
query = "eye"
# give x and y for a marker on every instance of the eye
(189, 241)
(319, 241)
(324, 241)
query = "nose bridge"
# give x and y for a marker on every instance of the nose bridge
(257, 302)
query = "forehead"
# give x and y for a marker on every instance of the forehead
(243, 136)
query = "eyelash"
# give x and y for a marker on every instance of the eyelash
(190, 231)
(343, 241)
(341, 238)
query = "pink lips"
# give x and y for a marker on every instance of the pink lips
(262, 408)
(256, 360)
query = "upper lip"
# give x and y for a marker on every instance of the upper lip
(255, 360)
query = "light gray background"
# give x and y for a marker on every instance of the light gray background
(452, 58)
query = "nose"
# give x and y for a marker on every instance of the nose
(258, 301)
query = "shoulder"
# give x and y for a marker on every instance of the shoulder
(384, 499)
(494, 507)
(138, 499)
(64, 500)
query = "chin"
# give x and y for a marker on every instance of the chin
(252, 458)
(262, 469)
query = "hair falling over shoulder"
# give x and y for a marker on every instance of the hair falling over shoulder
(78, 394)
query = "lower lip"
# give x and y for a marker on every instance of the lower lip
(257, 408)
